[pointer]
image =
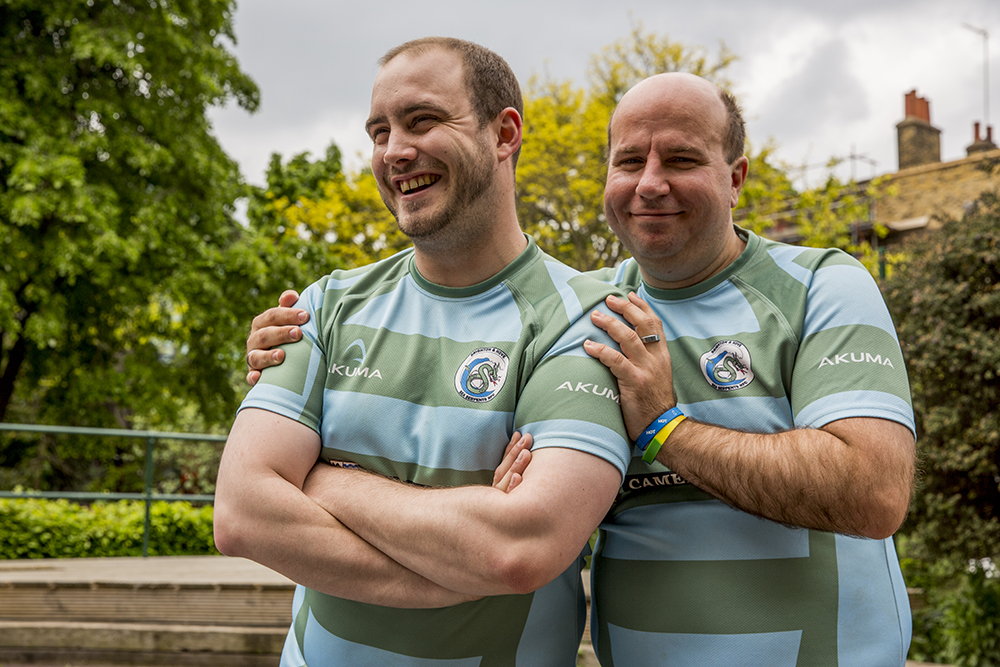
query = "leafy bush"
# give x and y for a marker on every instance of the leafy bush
(959, 620)
(946, 303)
(61, 529)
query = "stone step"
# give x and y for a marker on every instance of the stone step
(211, 590)
(124, 643)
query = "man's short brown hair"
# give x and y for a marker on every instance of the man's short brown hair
(735, 135)
(488, 78)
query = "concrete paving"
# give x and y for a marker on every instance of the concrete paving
(155, 570)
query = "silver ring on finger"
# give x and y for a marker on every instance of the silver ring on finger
(651, 338)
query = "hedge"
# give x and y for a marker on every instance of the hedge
(62, 529)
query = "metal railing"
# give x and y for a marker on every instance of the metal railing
(147, 494)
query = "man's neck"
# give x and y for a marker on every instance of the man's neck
(730, 252)
(471, 263)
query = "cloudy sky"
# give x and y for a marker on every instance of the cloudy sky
(817, 78)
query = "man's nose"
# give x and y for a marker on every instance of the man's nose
(653, 181)
(399, 148)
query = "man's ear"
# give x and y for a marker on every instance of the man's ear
(508, 132)
(739, 178)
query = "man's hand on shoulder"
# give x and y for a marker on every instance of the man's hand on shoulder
(643, 369)
(274, 327)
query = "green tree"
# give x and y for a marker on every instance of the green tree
(946, 302)
(127, 284)
(330, 218)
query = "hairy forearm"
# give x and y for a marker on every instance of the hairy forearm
(475, 539)
(442, 541)
(261, 513)
(807, 477)
(324, 555)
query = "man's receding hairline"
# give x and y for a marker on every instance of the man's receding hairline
(733, 132)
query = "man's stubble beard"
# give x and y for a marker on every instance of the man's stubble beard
(459, 223)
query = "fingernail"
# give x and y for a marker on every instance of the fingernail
(520, 457)
(274, 355)
(294, 333)
(303, 316)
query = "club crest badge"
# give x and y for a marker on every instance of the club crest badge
(482, 375)
(727, 365)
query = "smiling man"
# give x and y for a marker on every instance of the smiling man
(362, 467)
(766, 389)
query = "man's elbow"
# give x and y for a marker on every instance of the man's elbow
(887, 512)
(525, 570)
(229, 539)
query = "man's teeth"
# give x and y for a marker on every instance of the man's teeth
(414, 183)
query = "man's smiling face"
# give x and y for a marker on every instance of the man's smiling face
(431, 158)
(670, 188)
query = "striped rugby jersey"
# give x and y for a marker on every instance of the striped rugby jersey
(785, 337)
(427, 384)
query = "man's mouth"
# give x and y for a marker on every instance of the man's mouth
(418, 183)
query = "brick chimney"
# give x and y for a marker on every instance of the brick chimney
(980, 145)
(919, 142)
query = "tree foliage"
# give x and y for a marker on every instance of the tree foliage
(341, 216)
(946, 301)
(126, 283)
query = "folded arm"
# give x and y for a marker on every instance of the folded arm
(261, 513)
(478, 539)
(852, 476)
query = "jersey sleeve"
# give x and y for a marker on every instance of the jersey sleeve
(849, 362)
(294, 389)
(572, 400)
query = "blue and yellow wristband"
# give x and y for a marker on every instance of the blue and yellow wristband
(651, 440)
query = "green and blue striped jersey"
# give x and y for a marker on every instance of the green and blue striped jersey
(426, 384)
(785, 337)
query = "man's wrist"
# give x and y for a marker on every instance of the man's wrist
(646, 436)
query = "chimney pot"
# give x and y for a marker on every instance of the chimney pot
(989, 133)
(918, 141)
(976, 126)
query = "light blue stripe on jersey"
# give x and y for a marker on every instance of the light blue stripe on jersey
(774, 649)
(560, 275)
(619, 277)
(570, 343)
(283, 401)
(707, 530)
(694, 317)
(311, 299)
(290, 654)
(858, 403)
(877, 600)
(544, 629)
(322, 645)
(583, 436)
(784, 257)
(769, 413)
(862, 304)
(410, 310)
(342, 283)
(414, 432)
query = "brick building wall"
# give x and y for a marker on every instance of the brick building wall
(934, 190)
